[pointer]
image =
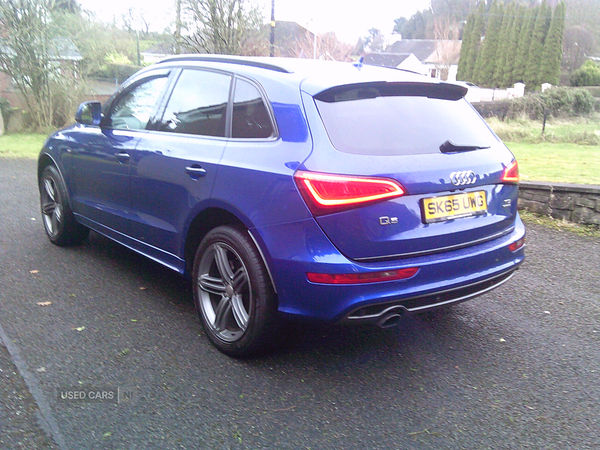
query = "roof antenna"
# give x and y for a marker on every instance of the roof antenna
(360, 63)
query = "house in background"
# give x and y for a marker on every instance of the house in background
(64, 58)
(439, 58)
(405, 61)
(63, 61)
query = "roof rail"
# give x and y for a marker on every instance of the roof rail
(227, 59)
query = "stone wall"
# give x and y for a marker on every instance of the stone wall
(573, 202)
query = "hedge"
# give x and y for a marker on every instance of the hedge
(556, 102)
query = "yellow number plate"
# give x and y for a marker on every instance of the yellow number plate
(438, 209)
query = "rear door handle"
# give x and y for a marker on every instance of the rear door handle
(123, 157)
(195, 171)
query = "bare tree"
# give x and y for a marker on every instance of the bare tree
(24, 53)
(326, 46)
(128, 20)
(135, 20)
(221, 26)
(447, 47)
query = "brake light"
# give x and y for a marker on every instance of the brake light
(326, 193)
(359, 278)
(511, 173)
(517, 244)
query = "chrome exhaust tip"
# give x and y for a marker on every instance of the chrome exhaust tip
(389, 320)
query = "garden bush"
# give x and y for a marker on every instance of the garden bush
(587, 75)
(556, 102)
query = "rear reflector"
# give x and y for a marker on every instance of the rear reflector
(511, 173)
(327, 193)
(517, 245)
(359, 278)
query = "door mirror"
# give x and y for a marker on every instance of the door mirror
(89, 113)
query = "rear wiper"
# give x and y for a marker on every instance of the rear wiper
(451, 147)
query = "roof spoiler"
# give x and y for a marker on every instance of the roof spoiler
(359, 91)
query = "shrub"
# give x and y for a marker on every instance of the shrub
(587, 75)
(556, 102)
(117, 58)
(119, 72)
(583, 102)
(65, 97)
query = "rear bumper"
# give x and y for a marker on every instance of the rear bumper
(382, 313)
(293, 250)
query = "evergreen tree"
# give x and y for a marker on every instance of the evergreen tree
(464, 71)
(552, 52)
(524, 44)
(474, 63)
(513, 44)
(540, 29)
(488, 57)
(504, 51)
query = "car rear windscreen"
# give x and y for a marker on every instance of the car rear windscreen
(400, 118)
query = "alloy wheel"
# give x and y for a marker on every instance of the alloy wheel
(224, 291)
(51, 206)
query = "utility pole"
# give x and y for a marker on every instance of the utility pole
(137, 39)
(272, 52)
(178, 27)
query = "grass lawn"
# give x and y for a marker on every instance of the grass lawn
(557, 162)
(560, 160)
(568, 152)
(21, 145)
(581, 130)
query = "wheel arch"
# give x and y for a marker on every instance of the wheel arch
(44, 161)
(202, 223)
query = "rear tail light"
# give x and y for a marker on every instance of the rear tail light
(360, 278)
(517, 244)
(511, 173)
(327, 193)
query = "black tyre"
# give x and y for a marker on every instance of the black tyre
(59, 222)
(233, 293)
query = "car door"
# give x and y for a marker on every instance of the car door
(101, 164)
(174, 167)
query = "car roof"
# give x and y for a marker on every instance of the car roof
(314, 76)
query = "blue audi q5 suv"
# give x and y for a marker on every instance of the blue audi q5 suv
(291, 189)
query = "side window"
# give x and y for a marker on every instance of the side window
(134, 109)
(198, 104)
(250, 116)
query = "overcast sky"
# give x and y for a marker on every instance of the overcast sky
(348, 19)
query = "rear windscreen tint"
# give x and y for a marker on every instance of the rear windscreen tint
(375, 120)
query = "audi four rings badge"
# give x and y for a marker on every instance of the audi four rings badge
(463, 178)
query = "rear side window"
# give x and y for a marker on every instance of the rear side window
(250, 116)
(385, 120)
(198, 104)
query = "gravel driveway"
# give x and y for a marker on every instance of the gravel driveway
(517, 368)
